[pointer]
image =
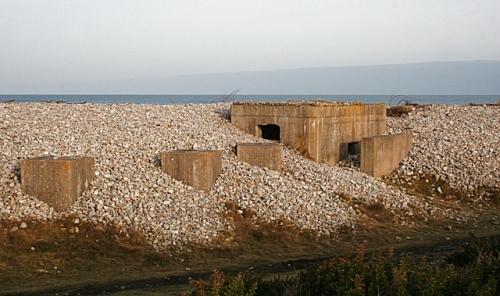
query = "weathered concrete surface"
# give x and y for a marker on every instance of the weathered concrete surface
(266, 155)
(57, 181)
(198, 168)
(316, 129)
(381, 155)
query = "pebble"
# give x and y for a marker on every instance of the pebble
(454, 143)
(131, 191)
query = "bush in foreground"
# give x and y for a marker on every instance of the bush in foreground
(476, 271)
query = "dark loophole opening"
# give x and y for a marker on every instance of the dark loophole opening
(351, 153)
(270, 132)
(354, 149)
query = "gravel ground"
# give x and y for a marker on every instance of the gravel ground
(130, 190)
(455, 143)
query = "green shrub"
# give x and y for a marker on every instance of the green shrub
(218, 285)
(476, 271)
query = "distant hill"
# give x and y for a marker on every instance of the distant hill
(439, 78)
(474, 77)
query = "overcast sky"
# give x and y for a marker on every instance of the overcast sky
(59, 41)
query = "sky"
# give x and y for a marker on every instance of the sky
(56, 42)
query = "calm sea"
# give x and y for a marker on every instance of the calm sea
(200, 99)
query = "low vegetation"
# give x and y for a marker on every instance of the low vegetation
(428, 186)
(68, 256)
(37, 255)
(400, 105)
(400, 110)
(475, 271)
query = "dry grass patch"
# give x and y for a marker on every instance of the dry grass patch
(61, 252)
(428, 185)
(377, 211)
(398, 111)
(249, 229)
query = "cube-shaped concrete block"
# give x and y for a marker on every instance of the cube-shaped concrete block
(381, 155)
(198, 168)
(58, 181)
(266, 155)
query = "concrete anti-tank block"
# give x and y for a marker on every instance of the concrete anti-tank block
(198, 168)
(381, 155)
(58, 181)
(266, 155)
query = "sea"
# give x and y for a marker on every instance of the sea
(207, 99)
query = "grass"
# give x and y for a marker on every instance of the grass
(402, 107)
(47, 253)
(474, 271)
(428, 186)
(398, 111)
(377, 211)
(52, 256)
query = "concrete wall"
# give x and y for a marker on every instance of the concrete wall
(266, 155)
(57, 181)
(198, 168)
(382, 154)
(316, 129)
